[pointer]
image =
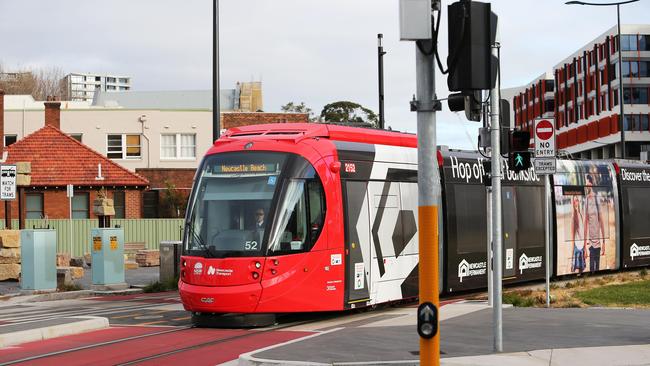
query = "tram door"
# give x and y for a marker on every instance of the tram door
(509, 214)
(357, 242)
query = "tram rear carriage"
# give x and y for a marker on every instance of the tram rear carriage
(339, 228)
(634, 180)
(465, 222)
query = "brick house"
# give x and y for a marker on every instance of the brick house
(58, 160)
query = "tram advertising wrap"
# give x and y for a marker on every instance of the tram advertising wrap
(586, 217)
(635, 212)
(466, 223)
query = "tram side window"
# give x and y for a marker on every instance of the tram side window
(469, 218)
(530, 216)
(639, 212)
(299, 218)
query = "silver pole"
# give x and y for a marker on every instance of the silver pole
(496, 209)
(547, 225)
(428, 196)
(490, 255)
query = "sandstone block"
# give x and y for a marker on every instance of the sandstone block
(77, 262)
(71, 272)
(24, 167)
(9, 255)
(10, 238)
(9, 271)
(148, 258)
(62, 259)
(88, 258)
(131, 265)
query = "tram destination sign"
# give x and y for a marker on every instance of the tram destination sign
(245, 168)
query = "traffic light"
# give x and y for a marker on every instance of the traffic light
(469, 101)
(518, 155)
(472, 31)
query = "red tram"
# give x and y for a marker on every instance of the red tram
(293, 218)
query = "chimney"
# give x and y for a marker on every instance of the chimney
(53, 112)
(2, 119)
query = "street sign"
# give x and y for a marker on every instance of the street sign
(427, 320)
(7, 182)
(69, 191)
(544, 138)
(544, 166)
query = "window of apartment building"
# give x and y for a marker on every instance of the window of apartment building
(80, 204)
(123, 88)
(34, 205)
(123, 146)
(10, 139)
(119, 203)
(124, 80)
(110, 87)
(76, 136)
(635, 96)
(110, 80)
(178, 146)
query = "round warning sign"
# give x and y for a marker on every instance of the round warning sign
(544, 129)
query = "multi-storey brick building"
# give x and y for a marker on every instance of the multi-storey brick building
(582, 93)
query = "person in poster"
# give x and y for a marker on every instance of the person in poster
(578, 261)
(594, 228)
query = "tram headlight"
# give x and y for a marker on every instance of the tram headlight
(255, 275)
(258, 265)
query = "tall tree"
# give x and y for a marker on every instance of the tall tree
(291, 107)
(344, 111)
(39, 83)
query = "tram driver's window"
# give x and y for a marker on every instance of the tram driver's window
(290, 230)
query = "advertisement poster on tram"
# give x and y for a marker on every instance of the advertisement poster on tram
(586, 217)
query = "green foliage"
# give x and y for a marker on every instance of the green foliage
(69, 287)
(174, 202)
(519, 299)
(643, 272)
(291, 107)
(635, 293)
(158, 286)
(345, 111)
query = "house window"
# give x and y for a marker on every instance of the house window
(80, 203)
(34, 205)
(119, 204)
(76, 136)
(123, 146)
(10, 139)
(150, 203)
(178, 146)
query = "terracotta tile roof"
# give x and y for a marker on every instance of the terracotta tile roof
(58, 159)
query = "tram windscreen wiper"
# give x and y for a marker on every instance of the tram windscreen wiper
(197, 238)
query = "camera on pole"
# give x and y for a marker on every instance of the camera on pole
(519, 156)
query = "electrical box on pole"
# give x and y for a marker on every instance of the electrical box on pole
(415, 20)
(472, 31)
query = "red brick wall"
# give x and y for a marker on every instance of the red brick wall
(133, 202)
(237, 119)
(53, 114)
(56, 204)
(181, 178)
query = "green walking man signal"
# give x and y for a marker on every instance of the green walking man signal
(519, 156)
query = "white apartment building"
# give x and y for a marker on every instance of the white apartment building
(83, 86)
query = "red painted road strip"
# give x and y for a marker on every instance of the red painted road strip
(228, 351)
(126, 351)
(72, 341)
(161, 296)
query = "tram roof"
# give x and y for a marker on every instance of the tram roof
(300, 131)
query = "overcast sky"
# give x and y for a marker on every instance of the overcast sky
(312, 51)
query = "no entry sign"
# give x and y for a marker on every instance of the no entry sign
(544, 138)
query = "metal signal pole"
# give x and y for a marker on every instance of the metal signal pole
(428, 197)
(216, 108)
(380, 57)
(497, 315)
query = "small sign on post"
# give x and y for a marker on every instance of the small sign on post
(70, 191)
(8, 182)
(544, 146)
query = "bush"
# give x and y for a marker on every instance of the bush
(69, 287)
(643, 272)
(158, 286)
(517, 299)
